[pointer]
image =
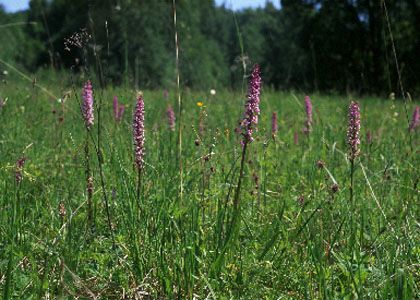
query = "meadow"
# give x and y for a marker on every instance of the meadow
(75, 223)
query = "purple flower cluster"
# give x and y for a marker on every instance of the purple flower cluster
(118, 110)
(308, 121)
(415, 120)
(353, 131)
(252, 106)
(171, 117)
(87, 105)
(138, 132)
(274, 125)
(19, 169)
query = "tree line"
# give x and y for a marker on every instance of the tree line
(361, 46)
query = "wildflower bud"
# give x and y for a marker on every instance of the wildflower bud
(308, 121)
(320, 164)
(197, 142)
(171, 118)
(121, 109)
(19, 169)
(89, 187)
(274, 125)
(118, 109)
(201, 120)
(301, 200)
(227, 132)
(334, 188)
(415, 120)
(256, 178)
(353, 131)
(369, 138)
(327, 250)
(62, 210)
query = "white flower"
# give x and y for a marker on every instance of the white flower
(213, 92)
(392, 96)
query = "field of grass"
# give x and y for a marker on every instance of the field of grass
(299, 236)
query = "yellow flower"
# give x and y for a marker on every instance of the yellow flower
(200, 104)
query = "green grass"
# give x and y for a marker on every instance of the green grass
(297, 238)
